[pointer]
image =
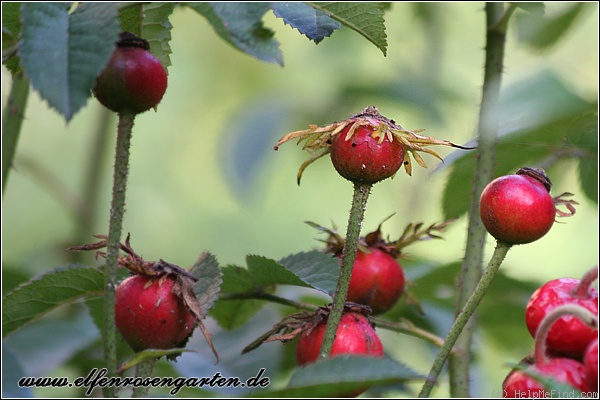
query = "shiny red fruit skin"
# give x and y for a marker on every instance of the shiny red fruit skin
(151, 317)
(590, 360)
(133, 81)
(377, 280)
(564, 370)
(568, 335)
(355, 335)
(362, 159)
(517, 209)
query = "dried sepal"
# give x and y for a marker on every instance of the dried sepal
(317, 139)
(293, 325)
(415, 232)
(569, 204)
(286, 329)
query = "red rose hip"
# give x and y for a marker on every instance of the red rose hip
(149, 315)
(518, 209)
(590, 361)
(367, 156)
(134, 80)
(355, 335)
(377, 280)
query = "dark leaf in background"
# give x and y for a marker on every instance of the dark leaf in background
(248, 140)
(541, 121)
(12, 372)
(436, 288)
(533, 7)
(540, 31)
(47, 344)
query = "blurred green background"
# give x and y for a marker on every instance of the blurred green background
(203, 175)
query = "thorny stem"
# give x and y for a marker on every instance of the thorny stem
(465, 314)
(357, 212)
(12, 119)
(408, 328)
(117, 211)
(496, 22)
(143, 370)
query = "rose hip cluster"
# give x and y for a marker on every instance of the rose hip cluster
(562, 316)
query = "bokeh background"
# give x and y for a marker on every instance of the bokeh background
(204, 176)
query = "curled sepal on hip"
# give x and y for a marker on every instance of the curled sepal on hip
(317, 139)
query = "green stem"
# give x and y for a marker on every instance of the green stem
(143, 370)
(408, 328)
(117, 211)
(268, 297)
(357, 212)
(464, 316)
(12, 119)
(496, 18)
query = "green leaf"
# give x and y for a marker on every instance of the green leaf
(533, 7)
(315, 268)
(46, 292)
(150, 21)
(11, 32)
(206, 270)
(343, 374)
(149, 354)
(230, 314)
(240, 24)
(542, 120)
(63, 53)
(313, 23)
(267, 272)
(541, 33)
(364, 18)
